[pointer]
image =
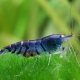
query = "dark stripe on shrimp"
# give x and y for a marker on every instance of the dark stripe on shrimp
(18, 47)
(24, 54)
(42, 47)
(18, 50)
(37, 51)
(26, 44)
(13, 48)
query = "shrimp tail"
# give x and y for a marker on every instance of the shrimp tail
(10, 48)
(3, 51)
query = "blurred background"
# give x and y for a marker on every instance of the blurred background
(33, 19)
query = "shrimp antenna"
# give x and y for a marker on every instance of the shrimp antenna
(72, 36)
(71, 21)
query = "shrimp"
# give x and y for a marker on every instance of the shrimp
(49, 44)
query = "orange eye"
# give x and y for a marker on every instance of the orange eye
(62, 35)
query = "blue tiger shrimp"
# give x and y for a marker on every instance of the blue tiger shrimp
(49, 44)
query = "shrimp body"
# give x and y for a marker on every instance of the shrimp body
(48, 44)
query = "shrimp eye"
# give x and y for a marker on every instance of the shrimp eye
(62, 35)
